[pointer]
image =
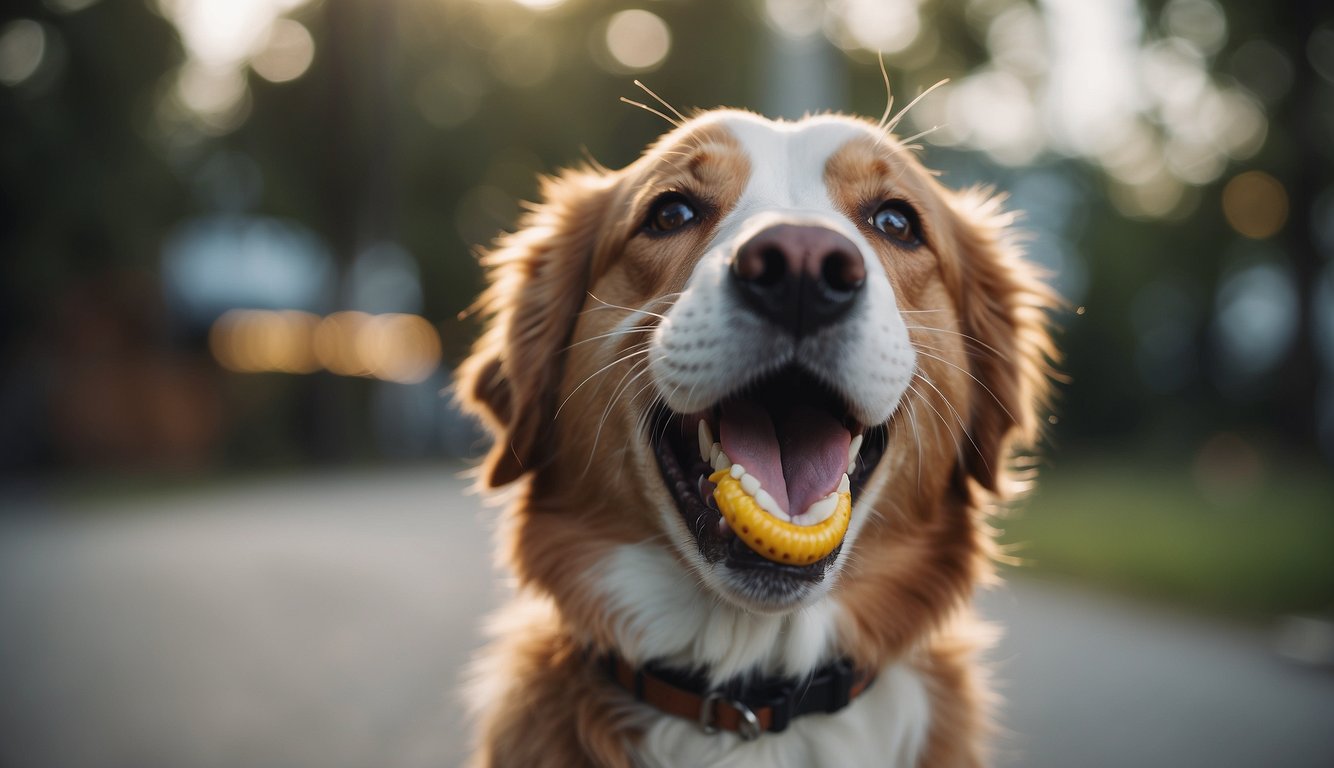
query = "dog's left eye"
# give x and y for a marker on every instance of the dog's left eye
(898, 220)
(670, 212)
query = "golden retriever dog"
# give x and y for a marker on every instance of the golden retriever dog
(754, 397)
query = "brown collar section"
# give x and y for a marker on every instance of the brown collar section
(746, 706)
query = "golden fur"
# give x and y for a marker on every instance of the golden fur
(975, 312)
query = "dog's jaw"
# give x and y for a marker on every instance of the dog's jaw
(708, 345)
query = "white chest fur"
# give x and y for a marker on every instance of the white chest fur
(663, 613)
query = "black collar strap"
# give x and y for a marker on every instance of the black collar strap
(747, 706)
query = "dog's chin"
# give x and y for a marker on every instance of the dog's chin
(726, 563)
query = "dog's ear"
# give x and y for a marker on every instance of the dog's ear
(1004, 313)
(536, 281)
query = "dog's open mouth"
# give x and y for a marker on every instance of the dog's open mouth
(766, 479)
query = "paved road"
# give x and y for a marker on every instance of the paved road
(324, 622)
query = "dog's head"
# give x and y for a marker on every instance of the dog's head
(800, 299)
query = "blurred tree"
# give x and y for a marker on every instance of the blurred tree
(85, 192)
(424, 123)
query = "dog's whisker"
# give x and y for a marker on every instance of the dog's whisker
(917, 437)
(661, 101)
(907, 143)
(611, 402)
(968, 433)
(889, 94)
(628, 309)
(958, 448)
(967, 373)
(651, 110)
(646, 413)
(999, 355)
(592, 375)
(892, 124)
(613, 334)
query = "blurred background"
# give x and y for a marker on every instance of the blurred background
(238, 238)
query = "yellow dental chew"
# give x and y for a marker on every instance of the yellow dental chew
(774, 539)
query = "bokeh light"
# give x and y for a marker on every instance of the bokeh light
(1202, 22)
(22, 48)
(218, 97)
(394, 347)
(992, 109)
(1255, 320)
(794, 18)
(540, 5)
(1255, 204)
(222, 38)
(287, 54)
(335, 343)
(638, 40)
(887, 26)
(1089, 80)
(253, 341)
(399, 347)
(1016, 40)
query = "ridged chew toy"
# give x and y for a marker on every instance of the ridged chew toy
(774, 539)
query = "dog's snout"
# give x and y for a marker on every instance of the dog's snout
(801, 278)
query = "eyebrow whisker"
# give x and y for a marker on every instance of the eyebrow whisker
(661, 101)
(889, 92)
(902, 112)
(647, 108)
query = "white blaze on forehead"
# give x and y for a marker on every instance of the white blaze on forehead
(787, 170)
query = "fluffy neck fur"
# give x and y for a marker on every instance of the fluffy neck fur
(599, 586)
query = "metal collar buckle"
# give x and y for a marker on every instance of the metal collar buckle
(750, 724)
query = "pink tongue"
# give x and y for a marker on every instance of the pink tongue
(798, 459)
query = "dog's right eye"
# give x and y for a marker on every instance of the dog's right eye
(670, 212)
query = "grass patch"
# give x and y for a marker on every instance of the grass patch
(1253, 549)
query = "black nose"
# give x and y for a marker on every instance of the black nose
(801, 278)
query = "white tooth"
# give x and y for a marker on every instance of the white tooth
(749, 484)
(853, 449)
(844, 485)
(737, 470)
(714, 450)
(821, 510)
(705, 440)
(768, 504)
(721, 462)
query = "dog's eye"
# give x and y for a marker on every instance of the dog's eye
(898, 220)
(670, 212)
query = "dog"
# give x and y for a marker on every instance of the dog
(757, 329)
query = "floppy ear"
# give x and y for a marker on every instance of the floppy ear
(536, 281)
(1004, 310)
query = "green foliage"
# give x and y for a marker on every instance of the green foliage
(1151, 529)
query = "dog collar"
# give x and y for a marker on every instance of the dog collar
(747, 706)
